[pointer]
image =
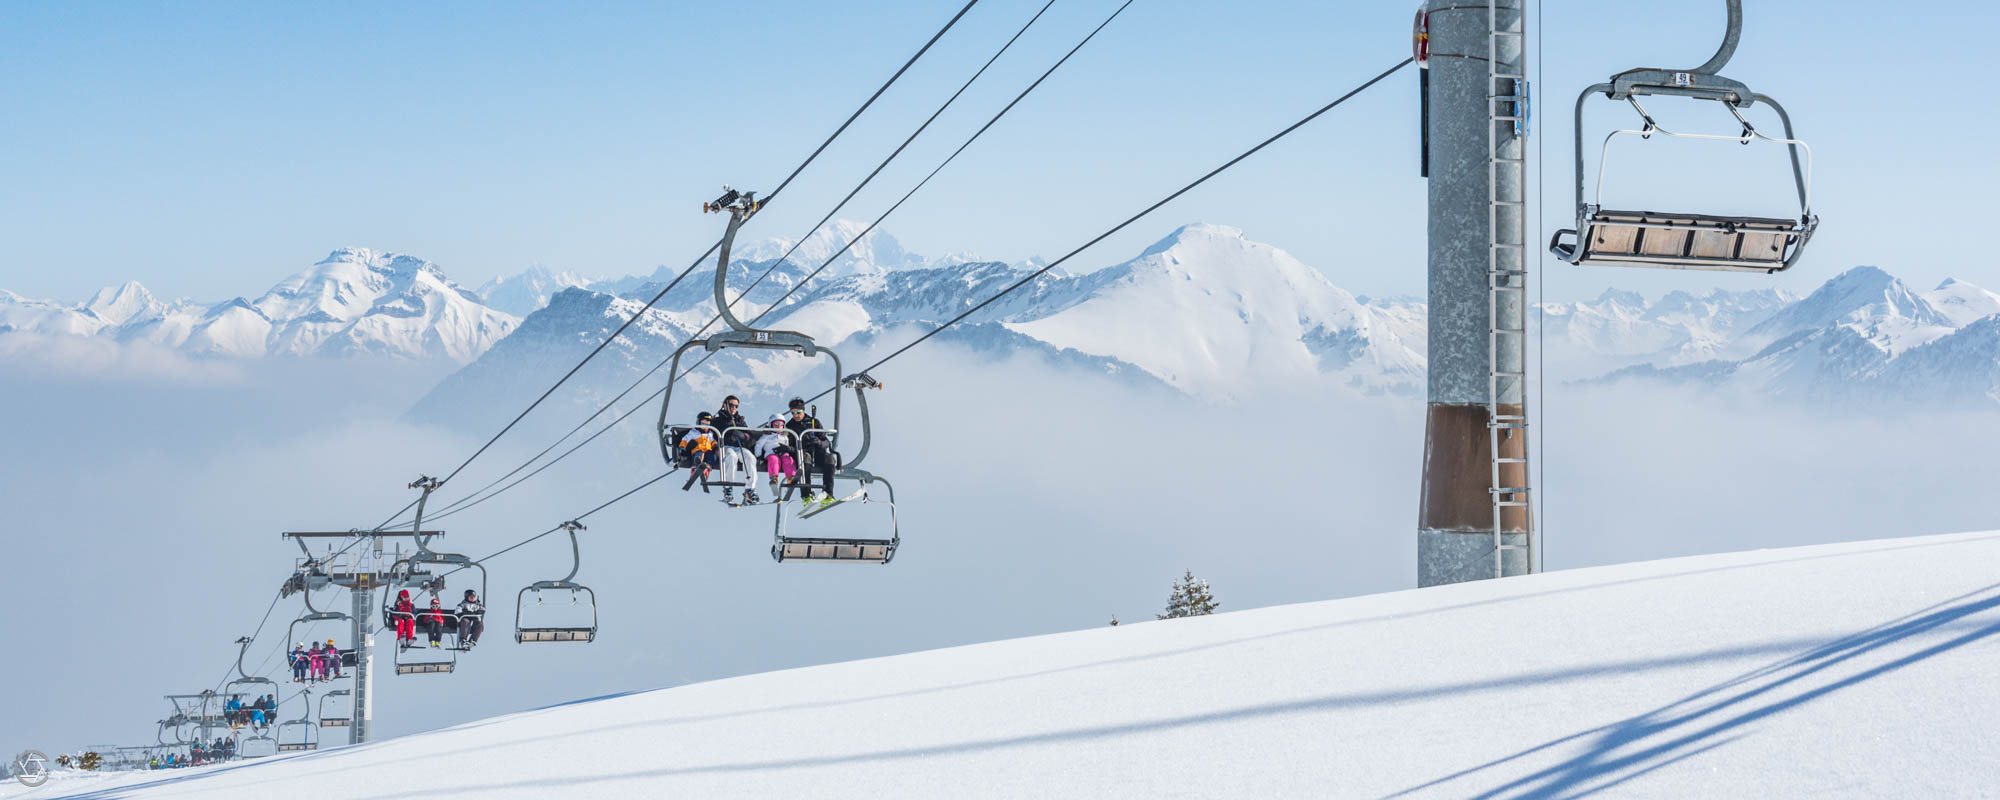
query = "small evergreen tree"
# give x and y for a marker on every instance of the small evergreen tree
(1190, 598)
(90, 760)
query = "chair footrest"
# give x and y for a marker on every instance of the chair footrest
(526, 635)
(850, 551)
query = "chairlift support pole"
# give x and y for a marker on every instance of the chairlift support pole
(360, 570)
(1474, 520)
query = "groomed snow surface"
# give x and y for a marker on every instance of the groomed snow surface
(1860, 669)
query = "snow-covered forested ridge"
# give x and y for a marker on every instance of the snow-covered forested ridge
(1860, 669)
(1205, 311)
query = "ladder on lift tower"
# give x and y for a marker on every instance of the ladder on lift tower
(1507, 111)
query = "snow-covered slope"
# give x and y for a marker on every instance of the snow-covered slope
(355, 301)
(1857, 670)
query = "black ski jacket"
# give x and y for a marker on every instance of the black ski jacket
(723, 421)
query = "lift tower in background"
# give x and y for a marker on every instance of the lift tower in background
(360, 568)
(1474, 519)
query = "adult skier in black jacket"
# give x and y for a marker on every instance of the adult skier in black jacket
(816, 447)
(471, 619)
(735, 449)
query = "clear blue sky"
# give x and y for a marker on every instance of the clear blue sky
(209, 149)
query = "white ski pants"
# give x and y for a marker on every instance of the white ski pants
(736, 467)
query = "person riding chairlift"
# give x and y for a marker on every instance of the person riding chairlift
(471, 620)
(815, 444)
(434, 619)
(333, 659)
(299, 662)
(736, 445)
(405, 617)
(774, 449)
(698, 444)
(318, 657)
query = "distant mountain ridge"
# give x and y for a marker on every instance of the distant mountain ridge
(1204, 311)
(1863, 336)
(355, 301)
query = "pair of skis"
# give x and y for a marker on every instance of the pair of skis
(811, 510)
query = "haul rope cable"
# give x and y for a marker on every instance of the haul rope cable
(1134, 218)
(469, 498)
(1071, 255)
(962, 316)
(469, 502)
(920, 184)
(697, 262)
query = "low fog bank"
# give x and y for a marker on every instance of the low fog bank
(1032, 499)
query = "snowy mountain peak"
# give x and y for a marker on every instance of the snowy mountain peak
(523, 293)
(1213, 313)
(356, 300)
(873, 253)
(117, 305)
(1865, 296)
(1963, 303)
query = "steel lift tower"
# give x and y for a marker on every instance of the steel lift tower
(1474, 519)
(360, 568)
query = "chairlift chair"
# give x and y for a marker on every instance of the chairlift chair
(559, 633)
(822, 548)
(307, 729)
(399, 573)
(741, 206)
(313, 615)
(1605, 237)
(230, 690)
(344, 719)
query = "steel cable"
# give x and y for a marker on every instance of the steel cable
(1134, 218)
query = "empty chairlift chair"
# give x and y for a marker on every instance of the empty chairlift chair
(579, 596)
(307, 731)
(1682, 240)
(341, 715)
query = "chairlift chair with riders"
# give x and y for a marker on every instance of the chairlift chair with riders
(313, 615)
(847, 550)
(559, 633)
(342, 719)
(403, 568)
(826, 548)
(1604, 237)
(308, 730)
(255, 736)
